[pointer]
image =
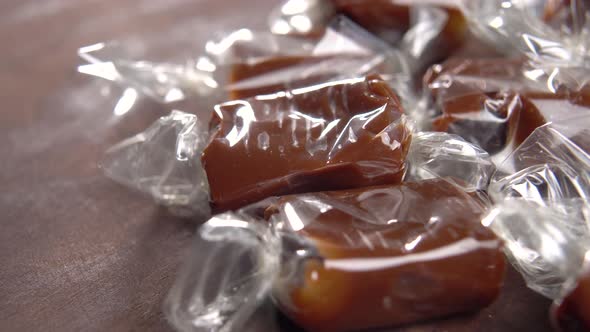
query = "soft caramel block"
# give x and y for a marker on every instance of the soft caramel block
(336, 135)
(389, 255)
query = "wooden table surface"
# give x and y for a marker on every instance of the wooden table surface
(77, 251)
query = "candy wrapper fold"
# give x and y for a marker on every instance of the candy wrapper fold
(542, 213)
(344, 260)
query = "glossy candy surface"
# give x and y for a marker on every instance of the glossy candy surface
(388, 255)
(336, 135)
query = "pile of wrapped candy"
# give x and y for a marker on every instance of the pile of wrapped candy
(372, 163)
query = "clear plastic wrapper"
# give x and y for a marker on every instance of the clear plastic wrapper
(335, 135)
(440, 155)
(164, 162)
(497, 103)
(426, 30)
(542, 213)
(552, 32)
(342, 260)
(548, 244)
(339, 135)
(244, 63)
(552, 164)
(545, 242)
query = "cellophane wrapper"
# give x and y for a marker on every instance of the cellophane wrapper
(497, 103)
(546, 31)
(165, 160)
(542, 211)
(425, 31)
(239, 65)
(222, 68)
(329, 259)
(325, 257)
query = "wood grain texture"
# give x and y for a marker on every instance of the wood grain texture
(78, 252)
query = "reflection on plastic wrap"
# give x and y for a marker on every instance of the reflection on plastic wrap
(165, 82)
(549, 31)
(543, 214)
(245, 63)
(548, 166)
(386, 263)
(426, 30)
(544, 243)
(164, 162)
(346, 260)
(343, 51)
(228, 276)
(301, 17)
(442, 155)
(336, 135)
(498, 103)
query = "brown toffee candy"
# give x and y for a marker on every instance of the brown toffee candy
(389, 255)
(336, 135)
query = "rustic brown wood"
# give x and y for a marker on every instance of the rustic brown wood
(78, 252)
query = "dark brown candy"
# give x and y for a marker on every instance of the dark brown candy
(336, 135)
(389, 255)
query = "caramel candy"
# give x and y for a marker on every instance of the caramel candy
(490, 103)
(492, 121)
(335, 135)
(391, 20)
(389, 255)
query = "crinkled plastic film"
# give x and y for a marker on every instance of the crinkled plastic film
(341, 134)
(329, 260)
(542, 214)
(552, 164)
(245, 63)
(328, 201)
(551, 31)
(544, 242)
(164, 162)
(442, 155)
(497, 103)
(426, 31)
(338, 135)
